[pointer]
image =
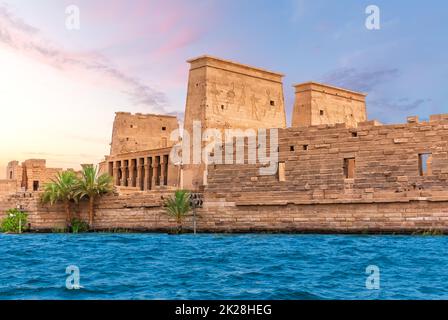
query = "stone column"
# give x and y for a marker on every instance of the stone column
(124, 173)
(162, 170)
(155, 164)
(131, 177)
(115, 173)
(147, 185)
(139, 174)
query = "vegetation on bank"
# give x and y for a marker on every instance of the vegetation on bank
(69, 188)
(79, 226)
(62, 189)
(430, 232)
(14, 222)
(178, 206)
(91, 186)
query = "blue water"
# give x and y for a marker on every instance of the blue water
(158, 266)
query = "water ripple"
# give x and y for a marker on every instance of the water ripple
(158, 266)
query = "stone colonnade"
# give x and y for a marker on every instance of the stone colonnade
(141, 172)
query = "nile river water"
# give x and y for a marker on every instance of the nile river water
(159, 266)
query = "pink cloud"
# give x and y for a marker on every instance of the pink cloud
(181, 39)
(21, 37)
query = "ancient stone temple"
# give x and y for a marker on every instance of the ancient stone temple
(334, 170)
(140, 149)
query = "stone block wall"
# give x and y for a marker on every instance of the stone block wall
(8, 187)
(223, 95)
(383, 188)
(386, 166)
(317, 104)
(393, 217)
(34, 174)
(144, 212)
(140, 132)
(138, 211)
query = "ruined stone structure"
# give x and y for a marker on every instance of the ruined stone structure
(140, 132)
(139, 157)
(345, 178)
(31, 175)
(336, 171)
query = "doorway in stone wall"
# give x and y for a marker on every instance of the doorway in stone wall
(35, 185)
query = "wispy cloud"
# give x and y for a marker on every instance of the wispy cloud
(22, 37)
(399, 105)
(57, 155)
(360, 80)
(181, 39)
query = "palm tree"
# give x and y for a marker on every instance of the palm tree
(91, 185)
(61, 189)
(178, 207)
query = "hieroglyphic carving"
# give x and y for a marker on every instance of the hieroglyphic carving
(232, 96)
(279, 105)
(254, 108)
(202, 89)
(215, 93)
(242, 98)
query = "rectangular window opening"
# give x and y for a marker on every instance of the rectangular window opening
(424, 164)
(305, 147)
(281, 172)
(349, 168)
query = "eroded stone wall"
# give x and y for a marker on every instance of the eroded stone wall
(8, 187)
(227, 95)
(144, 212)
(317, 104)
(30, 175)
(36, 174)
(136, 211)
(14, 171)
(386, 166)
(140, 132)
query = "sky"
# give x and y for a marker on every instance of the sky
(60, 87)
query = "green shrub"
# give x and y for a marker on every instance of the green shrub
(15, 221)
(431, 232)
(79, 226)
(178, 206)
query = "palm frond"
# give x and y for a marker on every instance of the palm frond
(91, 185)
(63, 188)
(178, 205)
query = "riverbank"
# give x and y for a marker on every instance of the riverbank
(144, 212)
(259, 232)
